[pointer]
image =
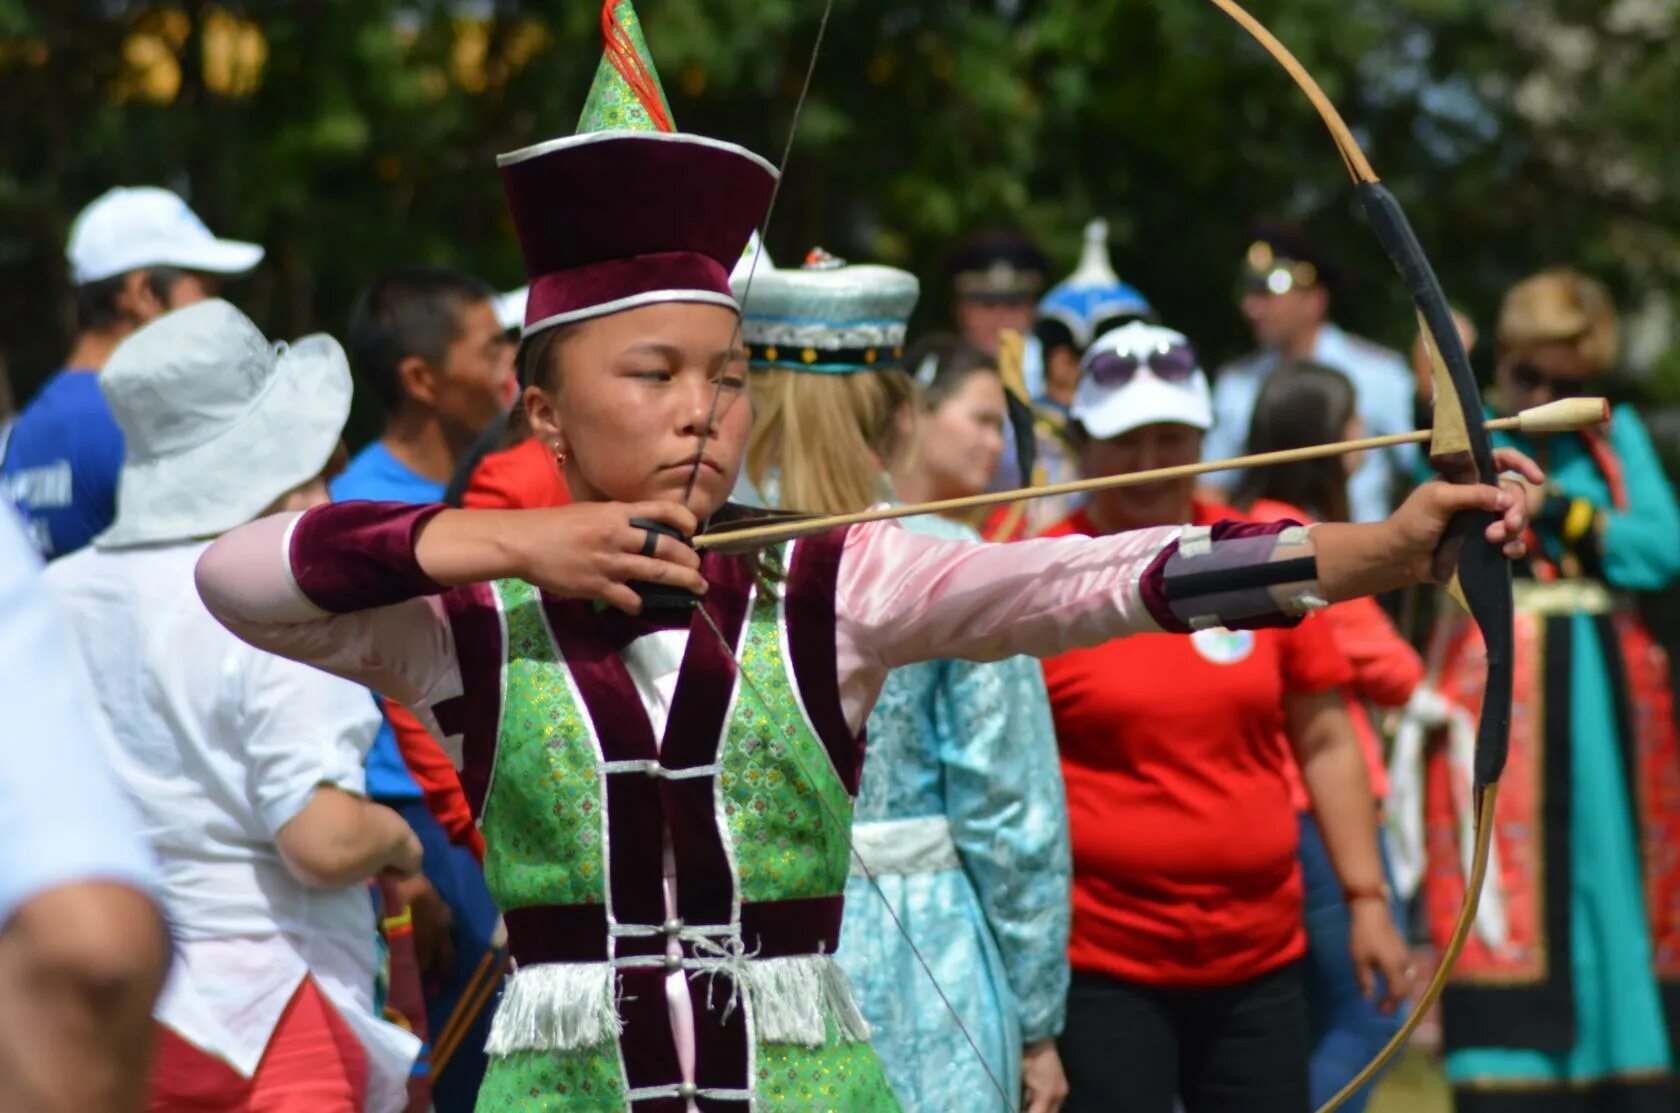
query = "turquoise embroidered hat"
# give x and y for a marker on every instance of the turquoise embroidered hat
(827, 316)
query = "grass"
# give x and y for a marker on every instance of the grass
(1414, 1084)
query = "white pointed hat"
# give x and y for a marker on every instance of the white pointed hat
(1093, 295)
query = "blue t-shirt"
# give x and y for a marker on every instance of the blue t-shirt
(377, 475)
(60, 463)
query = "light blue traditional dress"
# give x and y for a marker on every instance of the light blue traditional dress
(962, 820)
(1570, 1000)
(960, 815)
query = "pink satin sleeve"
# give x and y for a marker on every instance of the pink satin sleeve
(403, 650)
(904, 596)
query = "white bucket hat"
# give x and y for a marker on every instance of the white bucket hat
(131, 227)
(219, 422)
(1140, 374)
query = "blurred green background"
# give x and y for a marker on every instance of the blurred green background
(348, 136)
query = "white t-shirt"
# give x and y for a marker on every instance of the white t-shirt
(220, 745)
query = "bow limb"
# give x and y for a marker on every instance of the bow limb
(1461, 453)
(1460, 450)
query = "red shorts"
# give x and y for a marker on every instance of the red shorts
(313, 1064)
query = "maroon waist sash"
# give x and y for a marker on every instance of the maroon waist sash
(578, 932)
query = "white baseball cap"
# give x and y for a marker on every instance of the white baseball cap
(1141, 374)
(130, 227)
(510, 307)
(219, 423)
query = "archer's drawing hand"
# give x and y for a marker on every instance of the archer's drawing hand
(588, 550)
(591, 551)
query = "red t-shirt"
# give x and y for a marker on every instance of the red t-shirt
(1184, 836)
(1386, 669)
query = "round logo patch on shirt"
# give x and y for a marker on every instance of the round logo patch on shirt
(1222, 646)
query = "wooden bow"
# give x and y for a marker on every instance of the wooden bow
(1460, 451)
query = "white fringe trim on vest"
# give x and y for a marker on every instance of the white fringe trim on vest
(555, 1006)
(793, 998)
(571, 1006)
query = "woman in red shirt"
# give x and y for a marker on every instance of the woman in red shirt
(1187, 934)
(1300, 404)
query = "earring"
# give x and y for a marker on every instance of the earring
(559, 456)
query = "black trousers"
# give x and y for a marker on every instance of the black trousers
(1131, 1048)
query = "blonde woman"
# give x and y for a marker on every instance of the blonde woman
(960, 816)
(1574, 1003)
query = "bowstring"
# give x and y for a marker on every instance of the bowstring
(763, 228)
(842, 825)
(845, 828)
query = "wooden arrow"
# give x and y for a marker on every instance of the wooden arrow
(1566, 415)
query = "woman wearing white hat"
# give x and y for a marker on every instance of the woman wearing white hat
(247, 768)
(1187, 930)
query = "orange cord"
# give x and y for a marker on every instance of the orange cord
(621, 52)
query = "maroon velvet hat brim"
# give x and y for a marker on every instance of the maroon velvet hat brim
(612, 220)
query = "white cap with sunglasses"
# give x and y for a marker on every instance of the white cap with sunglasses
(1140, 374)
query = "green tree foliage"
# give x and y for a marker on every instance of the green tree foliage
(351, 136)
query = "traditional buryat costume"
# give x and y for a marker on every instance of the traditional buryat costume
(1568, 994)
(960, 818)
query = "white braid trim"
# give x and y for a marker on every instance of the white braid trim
(555, 1006)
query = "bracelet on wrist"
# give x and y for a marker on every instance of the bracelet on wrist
(1367, 892)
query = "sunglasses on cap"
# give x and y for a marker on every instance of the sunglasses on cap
(1529, 377)
(1173, 362)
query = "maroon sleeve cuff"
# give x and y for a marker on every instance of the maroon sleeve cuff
(1153, 588)
(352, 556)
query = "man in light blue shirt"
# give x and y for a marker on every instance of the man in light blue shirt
(1288, 288)
(427, 342)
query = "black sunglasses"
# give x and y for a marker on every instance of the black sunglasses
(1529, 377)
(1171, 363)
